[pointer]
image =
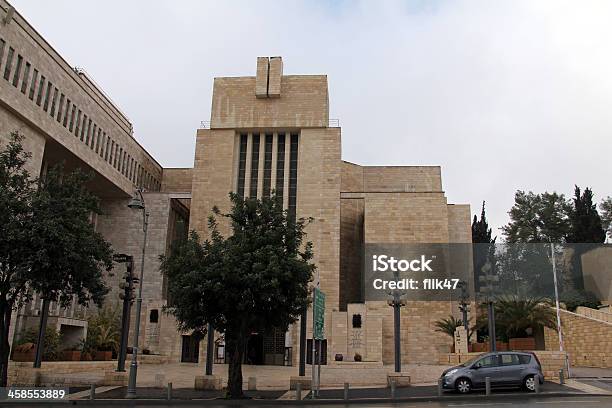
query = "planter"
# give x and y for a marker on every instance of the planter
(86, 357)
(523, 343)
(71, 355)
(103, 355)
(501, 346)
(24, 356)
(357, 357)
(338, 357)
(480, 347)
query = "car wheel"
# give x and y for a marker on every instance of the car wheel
(529, 383)
(463, 385)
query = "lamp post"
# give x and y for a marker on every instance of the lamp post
(489, 290)
(464, 307)
(138, 203)
(396, 302)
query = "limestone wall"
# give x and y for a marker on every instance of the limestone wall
(303, 103)
(177, 180)
(586, 340)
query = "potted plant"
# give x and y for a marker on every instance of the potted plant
(338, 357)
(72, 353)
(106, 344)
(28, 340)
(24, 352)
(357, 357)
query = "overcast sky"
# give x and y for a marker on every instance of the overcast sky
(504, 95)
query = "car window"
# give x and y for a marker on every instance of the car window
(524, 359)
(488, 361)
(509, 359)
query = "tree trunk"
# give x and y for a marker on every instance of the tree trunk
(234, 378)
(5, 347)
(40, 344)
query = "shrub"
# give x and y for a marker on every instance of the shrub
(574, 298)
(103, 330)
(51, 342)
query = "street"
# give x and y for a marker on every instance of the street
(479, 402)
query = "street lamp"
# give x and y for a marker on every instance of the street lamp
(488, 290)
(138, 203)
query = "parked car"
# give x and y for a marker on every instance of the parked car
(505, 369)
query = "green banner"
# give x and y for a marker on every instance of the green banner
(319, 314)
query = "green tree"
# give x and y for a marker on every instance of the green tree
(538, 218)
(606, 215)
(586, 224)
(586, 231)
(69, 256)
(16, 190)
(481, 233)
(255, 279)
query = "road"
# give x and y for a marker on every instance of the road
(527, 402)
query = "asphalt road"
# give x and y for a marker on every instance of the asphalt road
(526, 402)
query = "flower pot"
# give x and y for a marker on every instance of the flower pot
(338, 357)
(71, 355)
(357, 357)
(103, 355)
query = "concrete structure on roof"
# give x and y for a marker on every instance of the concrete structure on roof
(267, 132)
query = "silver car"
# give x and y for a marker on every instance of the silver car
(505, 369)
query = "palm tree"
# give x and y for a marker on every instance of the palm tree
(519, 316)
(448, 326)
(516, 316)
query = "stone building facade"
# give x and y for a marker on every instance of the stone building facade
(268, 132)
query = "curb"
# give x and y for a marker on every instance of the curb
(258, 402)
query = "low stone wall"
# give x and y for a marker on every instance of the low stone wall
(72, 372)
(602, 315)
(586, 340)
(552, 361)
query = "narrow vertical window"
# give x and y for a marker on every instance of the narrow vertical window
(293, 162)
(9, 63)
(87, 134)
(2, 45)
(17, 71)
(107, 148)
(67, 113)
(93, 136)
(254, 166)
(267, 176)
(78, 123)
(41, 89)
(47, 96)
(242, 154)
(60, 108)
(72, 118)
(280, 166)
(98, 140)
(83, 127)
(26, 77)
(53, 103)
(33, 84)
(114, 154)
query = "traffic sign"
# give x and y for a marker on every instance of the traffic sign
(319, 314)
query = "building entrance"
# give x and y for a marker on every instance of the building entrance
(266, 348)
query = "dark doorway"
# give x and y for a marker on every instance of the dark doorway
(255, 349)
(320, 345)
(190, 350)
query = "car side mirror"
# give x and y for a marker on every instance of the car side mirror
(475, 367)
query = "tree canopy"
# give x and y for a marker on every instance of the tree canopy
(255, 279)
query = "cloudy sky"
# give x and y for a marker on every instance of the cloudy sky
(504, 95)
